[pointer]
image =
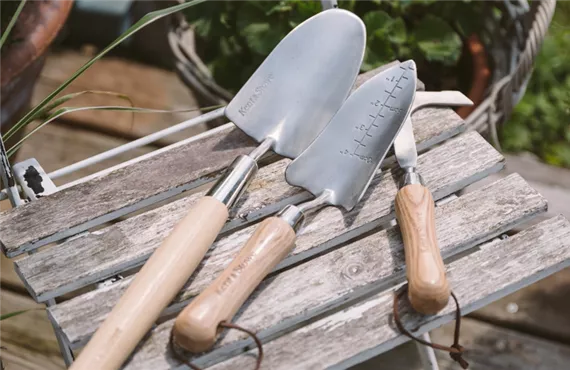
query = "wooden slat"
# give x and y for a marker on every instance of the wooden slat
(87, 259)
(67, 314)
(364, 330)
(368, 265)
(160, 175)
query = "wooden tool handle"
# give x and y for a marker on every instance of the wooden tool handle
(154, 287)
(196, 327)
(428, 289)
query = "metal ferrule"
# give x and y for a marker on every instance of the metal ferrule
(292, 215)
(411, 177)
(234, 181)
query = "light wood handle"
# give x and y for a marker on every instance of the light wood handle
(428, 289)
(196, 327)
(154, 287)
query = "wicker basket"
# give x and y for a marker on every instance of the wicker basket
(513, 41)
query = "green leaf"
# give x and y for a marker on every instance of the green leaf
(377, 22)
(12, 23)
(558, 154)
(437, 40)
(143, 22)
(379, 54)
(517, 138)
(16, 313)
(203, 27)
(261, 37)
(65, 110)
(397, 33)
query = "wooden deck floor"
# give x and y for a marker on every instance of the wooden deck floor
(527, 330)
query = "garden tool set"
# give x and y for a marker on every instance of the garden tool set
(284, 105)
(296, 105)
(336, 168)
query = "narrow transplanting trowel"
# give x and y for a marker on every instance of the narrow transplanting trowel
(284, 106)
(336, 168)
(428, 289)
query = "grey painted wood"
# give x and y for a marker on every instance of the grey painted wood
(364, 330)
(158, 176)
(367, 265)
(105, 198)
(486, 221)
(490, 347)
(127, 244)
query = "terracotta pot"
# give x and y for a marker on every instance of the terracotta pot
(21, 61)
(480, 75)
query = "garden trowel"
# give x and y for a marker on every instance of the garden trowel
(428, 289)
(336, 168)
(284, 106)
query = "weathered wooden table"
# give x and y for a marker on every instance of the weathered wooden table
(328, 304)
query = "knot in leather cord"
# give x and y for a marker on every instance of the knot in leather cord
(227, 325)
(456, 350)
(458, 356)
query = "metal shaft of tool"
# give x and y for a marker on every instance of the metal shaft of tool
(427, 354)
(410, 177)
(294, 215)
(238, 175)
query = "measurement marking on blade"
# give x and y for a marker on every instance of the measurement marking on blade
(381, 105)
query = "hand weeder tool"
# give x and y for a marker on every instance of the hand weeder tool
(428, 290)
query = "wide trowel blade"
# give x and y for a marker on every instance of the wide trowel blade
(344, 158)
(302, 83)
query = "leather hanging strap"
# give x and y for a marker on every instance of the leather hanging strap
(226, 325)
(455, 350)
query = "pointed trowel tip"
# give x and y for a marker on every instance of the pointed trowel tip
(410, 64)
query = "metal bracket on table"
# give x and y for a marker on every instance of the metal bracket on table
(33, 180)
(109, 281)
(427, 354)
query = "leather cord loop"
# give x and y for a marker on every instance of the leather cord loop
(226, 325)
(455, 350)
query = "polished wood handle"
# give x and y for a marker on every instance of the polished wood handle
(196, 327)
(428, 289)
(154, 287)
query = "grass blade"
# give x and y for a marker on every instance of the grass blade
(12, 23)
(65, 110)
(16, 313)
(143, 22)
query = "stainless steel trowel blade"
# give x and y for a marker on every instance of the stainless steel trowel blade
(345, 156)
(302, 83)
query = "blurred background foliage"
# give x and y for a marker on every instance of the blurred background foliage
(233, 38)
(541, 121)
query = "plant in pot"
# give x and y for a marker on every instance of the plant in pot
(35, 26)
(233, 38)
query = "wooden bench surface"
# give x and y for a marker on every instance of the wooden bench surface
(328, 303)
